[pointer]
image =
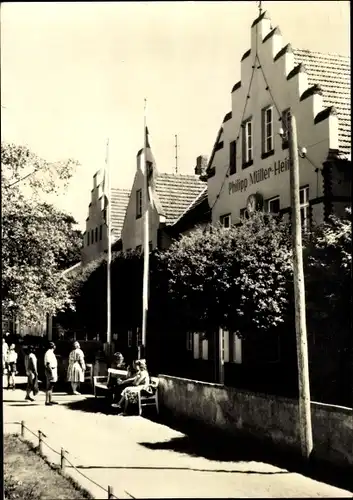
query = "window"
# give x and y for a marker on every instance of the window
(226, 221)
(267, 131)
(232, 157)
(231, 347)
(92, 236)
(304, 207)
(88, 238)
(189, 341)
(138, 203)
(285, 126)
(273, 205)
(199, 345)
(244, 213)
(96, 233)
(100, 232)
(247, 144)
(129, 338)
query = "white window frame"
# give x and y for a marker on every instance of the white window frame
(139, 203)
(270, 201)
(189, 343)
(304, 207)
(268, 132)
(226, 217)
(248, 141)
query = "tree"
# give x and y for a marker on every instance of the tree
(234, 278)
(38, 241)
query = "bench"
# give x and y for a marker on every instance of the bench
(102, 381)
(89, 374)
(146, 399)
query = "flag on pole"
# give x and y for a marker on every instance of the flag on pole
(151, 171)
(106, 188)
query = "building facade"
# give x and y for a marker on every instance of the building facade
(95, 237)
(249, 165)
(171, 196)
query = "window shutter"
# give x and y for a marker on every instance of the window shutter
(205, 349)
(237, 349)
(196, 346)
(232, 157)
(226, 346)
(263, 131)
(243, 154)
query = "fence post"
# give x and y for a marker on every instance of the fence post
(40, 439)
(62, 460)
(110, 492)
(22, 428)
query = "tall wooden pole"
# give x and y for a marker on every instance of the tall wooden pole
(109, 257)
(146, 246)
(299, 295)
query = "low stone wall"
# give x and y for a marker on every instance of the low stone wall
(259, 416)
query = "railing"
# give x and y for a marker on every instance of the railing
(63, 457)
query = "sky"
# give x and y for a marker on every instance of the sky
(74, 74)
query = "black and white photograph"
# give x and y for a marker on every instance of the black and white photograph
(176, 236)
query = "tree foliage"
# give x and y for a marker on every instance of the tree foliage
(38, 240)
(235, 278)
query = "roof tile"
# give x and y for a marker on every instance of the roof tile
(176, 192)
(333, 73)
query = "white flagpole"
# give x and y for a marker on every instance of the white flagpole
(109, 258)
(145, 239)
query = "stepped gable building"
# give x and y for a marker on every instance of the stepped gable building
(249, 165)
(95, 238)
(172, 195)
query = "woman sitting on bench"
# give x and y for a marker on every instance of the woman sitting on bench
(140, 382)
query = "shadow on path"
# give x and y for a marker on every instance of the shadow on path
(235, 471)
(201, 442)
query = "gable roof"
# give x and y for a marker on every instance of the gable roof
(119, 201)
(333, 73)
(176, 192)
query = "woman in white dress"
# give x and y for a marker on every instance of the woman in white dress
(140, 382)
(77, 367)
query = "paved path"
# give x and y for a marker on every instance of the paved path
(109, 449)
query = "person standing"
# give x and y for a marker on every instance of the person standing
(11, 363)
(77, 367)
(51, 373)
(32, 374)
(5, 350)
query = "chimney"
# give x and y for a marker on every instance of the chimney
(201, 165)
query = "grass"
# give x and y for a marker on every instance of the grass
(28, 476)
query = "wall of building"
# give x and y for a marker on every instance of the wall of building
(132, 232)
(94, 221)
(262, 417)
(270, 176)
